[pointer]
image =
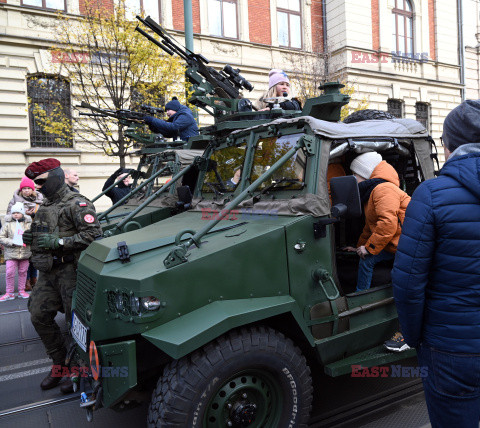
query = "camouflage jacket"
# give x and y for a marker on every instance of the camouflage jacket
(70, 216)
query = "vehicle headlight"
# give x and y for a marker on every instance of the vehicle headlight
(119, 303)
(128, 304)
(150, 303)
(135, 305)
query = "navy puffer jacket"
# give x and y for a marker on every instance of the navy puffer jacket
(182, 124)
(436, 275)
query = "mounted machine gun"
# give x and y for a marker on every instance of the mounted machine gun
(216, 92)
(132, 120)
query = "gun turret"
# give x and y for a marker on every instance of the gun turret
(217, 92)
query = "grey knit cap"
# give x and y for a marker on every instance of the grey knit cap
(462, 125)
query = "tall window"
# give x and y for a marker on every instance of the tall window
(395, 107)
(422, 114)
(289, 23)
(149, 7)
(403, 27)
(46, 4)
(222, 18)
(49, 111)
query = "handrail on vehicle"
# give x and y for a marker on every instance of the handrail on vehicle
(130, 194)
(162, 189)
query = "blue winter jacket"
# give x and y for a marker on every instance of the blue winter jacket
(436, 275)
(182, 124)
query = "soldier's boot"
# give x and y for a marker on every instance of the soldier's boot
(67, 386)
(28, 285)
(52, 379)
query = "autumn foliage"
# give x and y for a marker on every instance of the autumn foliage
(110, 66)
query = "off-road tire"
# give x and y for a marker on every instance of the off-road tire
(246, 367)
(368, 114)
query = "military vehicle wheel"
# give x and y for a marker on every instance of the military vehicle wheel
(368, 114)
(253, 377)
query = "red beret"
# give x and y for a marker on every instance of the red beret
(38, 168)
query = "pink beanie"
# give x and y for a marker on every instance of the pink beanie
(26, 182)
(276, 76)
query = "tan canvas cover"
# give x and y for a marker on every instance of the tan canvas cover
(394, 128)
(186, 157)
(404, 130)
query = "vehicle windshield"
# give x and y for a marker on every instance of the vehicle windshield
(290, 175)
(225, 170)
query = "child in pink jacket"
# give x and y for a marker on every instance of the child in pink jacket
(16, 252)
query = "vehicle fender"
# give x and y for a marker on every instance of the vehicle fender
(189, 332)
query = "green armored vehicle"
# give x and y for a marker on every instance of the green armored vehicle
(227, 305)
(217, 314)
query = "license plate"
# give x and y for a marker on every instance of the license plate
(79, 332)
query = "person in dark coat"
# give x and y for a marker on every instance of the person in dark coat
(121, 189)
(180, 124)
(436, 275)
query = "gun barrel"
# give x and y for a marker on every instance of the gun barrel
(153, 40)
(93, 114)
(83, 104)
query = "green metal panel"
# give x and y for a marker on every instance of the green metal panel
(183, 335)
(144, 218)
(119, 367)
(301, 264)
(356, 340)
(248, 261)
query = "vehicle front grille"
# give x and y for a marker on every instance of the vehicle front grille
(85, 294)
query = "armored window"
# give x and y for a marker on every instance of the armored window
(222, 18)
(49, 111)
(289, 23)
(402, 25)
(46, 4)
(147, 7)
(422, 114)
(224, 170)
(395, 107)
(290, 175)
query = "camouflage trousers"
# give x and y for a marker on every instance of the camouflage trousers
(53, 293)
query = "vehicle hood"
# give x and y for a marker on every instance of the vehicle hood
(162, 234)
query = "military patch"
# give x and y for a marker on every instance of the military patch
(89, 218)
(81, 204)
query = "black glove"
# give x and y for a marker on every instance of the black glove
(118, 172)
(137, 174)
(27, 237)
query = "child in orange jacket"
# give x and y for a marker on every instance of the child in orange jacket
(385, 204)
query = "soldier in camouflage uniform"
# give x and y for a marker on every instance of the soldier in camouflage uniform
(64, 225)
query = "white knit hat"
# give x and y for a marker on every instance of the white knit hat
(18, 207)
(364, 164)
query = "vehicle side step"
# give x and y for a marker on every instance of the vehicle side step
(377, 356)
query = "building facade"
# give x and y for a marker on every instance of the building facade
(415, 58)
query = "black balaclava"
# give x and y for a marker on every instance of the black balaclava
(55, 180)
